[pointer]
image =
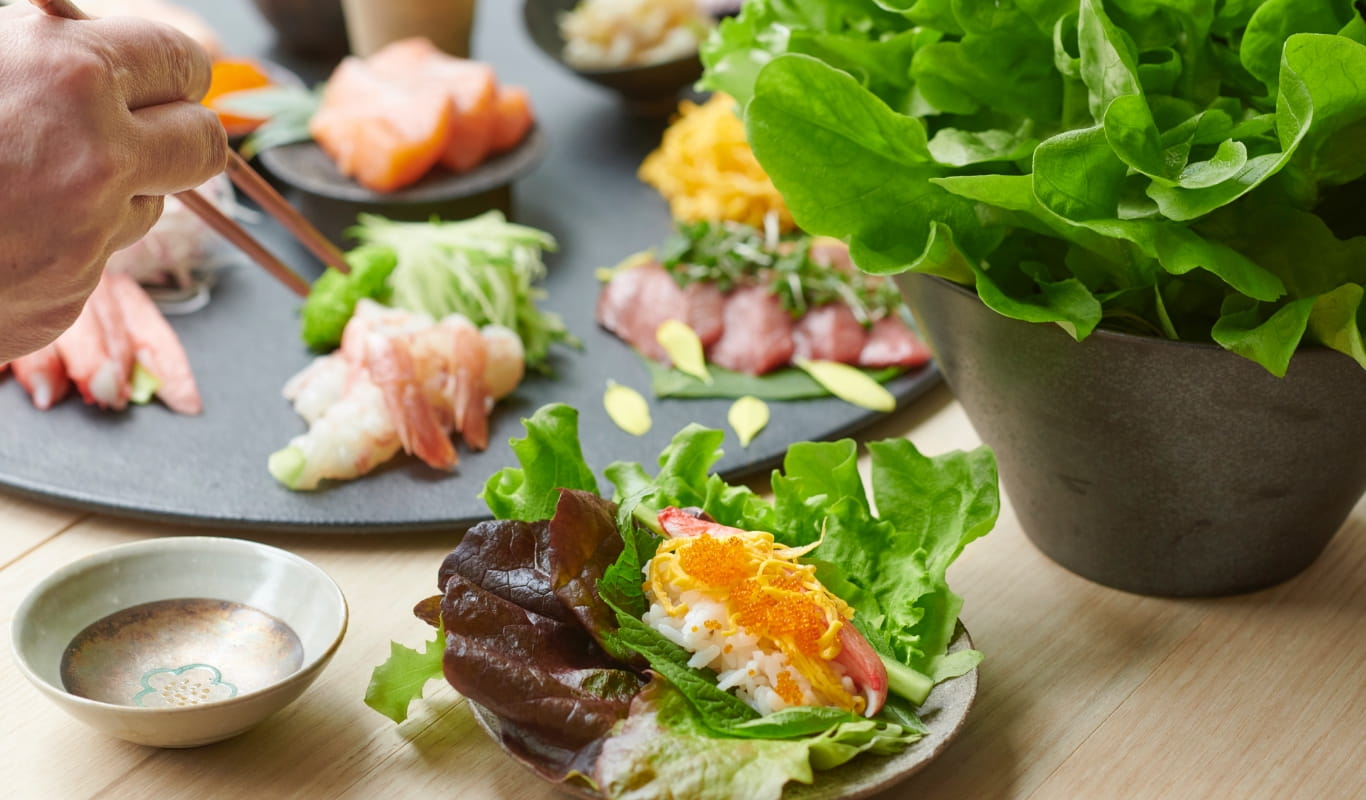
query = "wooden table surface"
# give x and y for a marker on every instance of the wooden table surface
(1086, 692)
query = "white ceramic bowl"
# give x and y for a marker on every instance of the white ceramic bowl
(179, 642)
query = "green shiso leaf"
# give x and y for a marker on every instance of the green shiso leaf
(788, 383)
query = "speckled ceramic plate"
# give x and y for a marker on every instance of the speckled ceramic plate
(944, 713)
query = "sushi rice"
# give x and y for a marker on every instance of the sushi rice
(735, 655)
(745, 607)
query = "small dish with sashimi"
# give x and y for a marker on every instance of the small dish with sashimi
(409, 132)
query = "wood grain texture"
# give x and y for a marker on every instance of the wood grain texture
(25, 524)
(1266, 698)
(1086, 692)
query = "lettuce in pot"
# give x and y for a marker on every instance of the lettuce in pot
(1080, 162)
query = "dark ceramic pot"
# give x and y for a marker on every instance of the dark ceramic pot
(1156, 467)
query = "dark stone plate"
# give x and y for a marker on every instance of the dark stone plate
(944, 713)
(211, 469)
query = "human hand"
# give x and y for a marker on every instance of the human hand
(99, 120)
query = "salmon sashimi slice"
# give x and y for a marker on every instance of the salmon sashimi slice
(156, 346)
(829, 333)
(891, 343)
(384, 134)
(758, 333)
(43, 376)
(514, 118)
(636, 301)
(471, 136)
(471, 85)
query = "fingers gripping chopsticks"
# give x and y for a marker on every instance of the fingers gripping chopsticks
(255, 187)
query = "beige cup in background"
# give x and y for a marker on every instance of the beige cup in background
(371, 24)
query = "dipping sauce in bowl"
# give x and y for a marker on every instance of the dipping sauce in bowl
(183, 652)
(179, 641)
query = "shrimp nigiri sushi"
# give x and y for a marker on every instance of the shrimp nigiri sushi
(747, 609)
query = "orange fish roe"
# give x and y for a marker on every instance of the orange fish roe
(718, 562)
(768, 594)
(780, 613)
(788, 689)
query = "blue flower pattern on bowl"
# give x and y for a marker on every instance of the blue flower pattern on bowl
(190, 685)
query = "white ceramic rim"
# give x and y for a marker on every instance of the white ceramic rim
(202, 543)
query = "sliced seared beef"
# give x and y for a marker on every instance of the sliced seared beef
(758, 333)
(891, 343)
(636, 301)
(830, 333)
(831, 253)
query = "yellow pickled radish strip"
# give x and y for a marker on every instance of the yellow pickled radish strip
(684, 348)
(747, 416)
(849, 384)
(627, 408)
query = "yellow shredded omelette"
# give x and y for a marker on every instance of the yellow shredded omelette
(767, 593)
(706, 170)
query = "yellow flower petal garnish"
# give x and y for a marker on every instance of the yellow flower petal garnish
(747, 416)
(605, 274)
(684, 348)
(849, 384)
(627, 408)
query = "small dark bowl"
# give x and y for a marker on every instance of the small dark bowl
(308, 28)
(331, 200)
(649, 88)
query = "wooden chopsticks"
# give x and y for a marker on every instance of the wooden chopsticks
(258, 189)
(252, 185)
(228, 228)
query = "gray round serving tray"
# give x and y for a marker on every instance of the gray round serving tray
(211, 469)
